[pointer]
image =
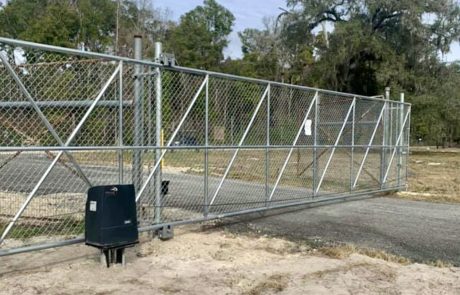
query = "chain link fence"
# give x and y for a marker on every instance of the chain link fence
(197, 145)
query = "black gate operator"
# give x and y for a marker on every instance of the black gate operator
(111, 218)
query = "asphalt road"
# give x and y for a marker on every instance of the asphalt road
(185, 191)
(419, 230)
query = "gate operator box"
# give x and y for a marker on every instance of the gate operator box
(111, 218)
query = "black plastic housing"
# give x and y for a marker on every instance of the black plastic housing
(111, 218)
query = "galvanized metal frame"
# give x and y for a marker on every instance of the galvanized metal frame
(235, 154)
(170, 141)
(58, 156)
(154, 176)
(68, 51)
(280, 175)
(336, 143)
(371, 140)
(396, 147)
(41, 115)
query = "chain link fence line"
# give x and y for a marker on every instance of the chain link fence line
(226, 145)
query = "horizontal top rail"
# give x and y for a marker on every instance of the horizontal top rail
(63, 50)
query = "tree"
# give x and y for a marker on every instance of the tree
(87, 23)
(202, 35)
(371, 38)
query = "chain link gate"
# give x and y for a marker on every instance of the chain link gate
(232, 145)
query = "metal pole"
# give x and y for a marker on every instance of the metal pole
(315, 144)
(267, 156)
(383, 155)
(120, 125)
(401, 144)
(138, 121)
(158, 125)
(206, 151)
(80, 103)
(149, 119)
(352, 159)
(407, 147)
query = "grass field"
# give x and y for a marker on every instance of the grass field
(434, 175)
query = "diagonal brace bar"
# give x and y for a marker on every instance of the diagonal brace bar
(235, 154)
(313, 102)
(369, 146)
(335, 145)
(42, 116)
(58, 156)
(184, 117)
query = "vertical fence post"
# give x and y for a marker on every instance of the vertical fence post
(267, 143)
(352, 156)
(385, 132)
(158, 128)
(315, 144)
(149, 121)
(206, 152)
(407, 145)
(401, 143)
(120, 125)
(138, 120)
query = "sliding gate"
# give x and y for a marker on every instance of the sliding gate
(226, 145)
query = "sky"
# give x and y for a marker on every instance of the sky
(249, 14)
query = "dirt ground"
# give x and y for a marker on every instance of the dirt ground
(434, 175)
(219, 262)
(216, 261)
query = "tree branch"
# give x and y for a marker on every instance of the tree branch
(381, 23)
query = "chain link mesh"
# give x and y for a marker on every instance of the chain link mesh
(226, 144)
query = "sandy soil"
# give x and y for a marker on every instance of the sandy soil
(218, 262)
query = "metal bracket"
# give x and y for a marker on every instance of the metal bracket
(165, 233)
(167, 59)
(113, 256)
